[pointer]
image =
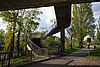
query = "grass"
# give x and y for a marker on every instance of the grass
(53, 51)
(95, 54)
(69, 50)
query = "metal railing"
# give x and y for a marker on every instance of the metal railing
(7, 61)
(37, 50)
(25, 56)
(44, 35)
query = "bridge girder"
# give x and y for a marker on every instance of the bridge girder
(21, 4)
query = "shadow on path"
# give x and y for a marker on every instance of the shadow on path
(59, 65)
(80, 53)
(66, 61)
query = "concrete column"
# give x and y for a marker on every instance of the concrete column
(62, 35)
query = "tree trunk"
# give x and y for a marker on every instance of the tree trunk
(12, 43)
(13, 39)
(25, 42)
(18, 42)
(71, 43)
(81, 44)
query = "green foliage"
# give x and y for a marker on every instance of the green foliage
(11, 18)
(8, 16)
(98, 31)
(21, 25)
(51, 41)
(36, 34)
(98, 34)
(94, 54)
(67, 42)
(7, 39)
(29, 20)
(2, 33)
(68, 50)
(82, 21)
(53, 50)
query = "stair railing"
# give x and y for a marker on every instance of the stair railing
(44, 35)
(37, 50)
(41, 51)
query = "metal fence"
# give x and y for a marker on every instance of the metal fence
(8, 60)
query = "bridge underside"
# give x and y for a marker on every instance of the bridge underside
(20, 4)
(62, 9)
(63, 15)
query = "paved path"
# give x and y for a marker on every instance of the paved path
(75, 59)
(81, 53)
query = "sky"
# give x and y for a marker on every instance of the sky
(2, 25)
(96, 9)
(49, 14)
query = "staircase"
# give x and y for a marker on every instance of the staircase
(63, 21)
(36, 46)
(38, 53)
(63, 16)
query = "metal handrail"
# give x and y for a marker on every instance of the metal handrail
(24, 56)
(5, 59)
(37, 49)
(48, 30)
(32, 44)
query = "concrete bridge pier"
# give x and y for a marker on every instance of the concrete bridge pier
(62, 35)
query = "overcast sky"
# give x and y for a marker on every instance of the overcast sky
(49, 14)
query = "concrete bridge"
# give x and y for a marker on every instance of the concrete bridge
(21, 4)
(62, 10)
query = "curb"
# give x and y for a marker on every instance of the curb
(31, 62)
